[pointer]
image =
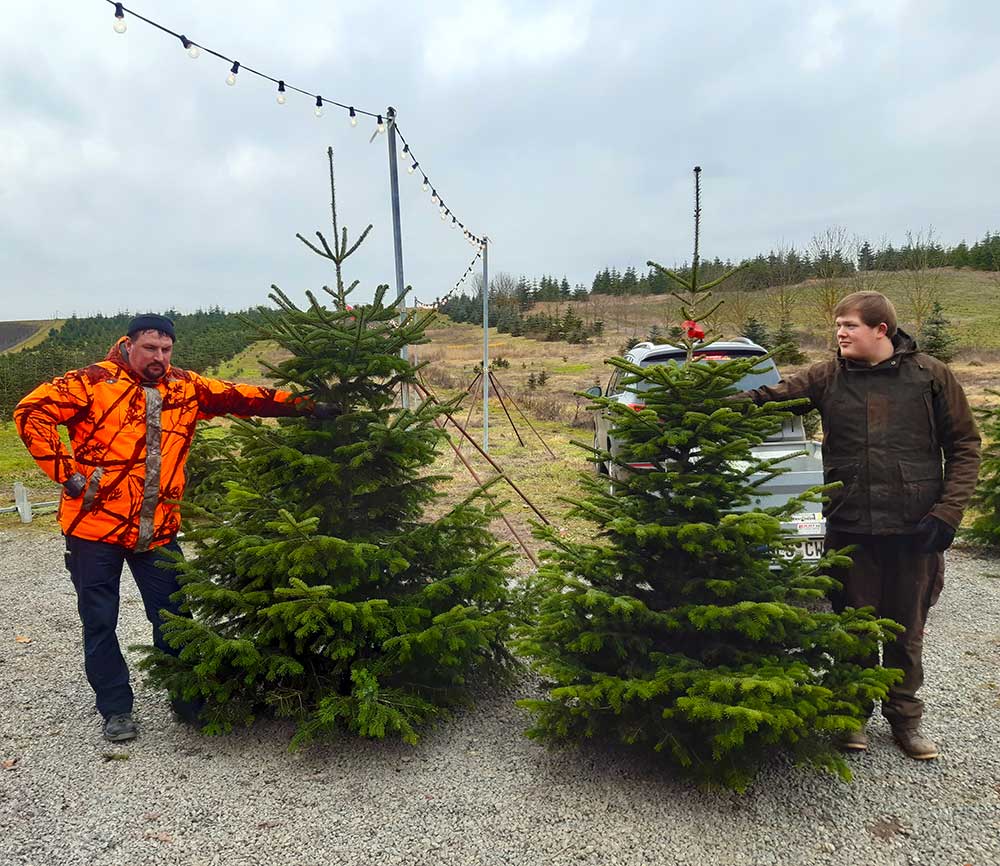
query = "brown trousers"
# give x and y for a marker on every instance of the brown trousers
(891, 575)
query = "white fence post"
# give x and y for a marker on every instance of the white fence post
(21, 502)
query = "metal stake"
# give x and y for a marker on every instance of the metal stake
(397, 238)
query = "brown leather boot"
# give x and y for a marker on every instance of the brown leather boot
(854, 741)
(915, 744)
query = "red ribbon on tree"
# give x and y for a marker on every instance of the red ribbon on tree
(694, 330)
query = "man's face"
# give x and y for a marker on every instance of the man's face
(149, 354)
(858, 341)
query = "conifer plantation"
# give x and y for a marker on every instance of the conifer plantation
(319, 590)
(681, 629)
(985, 529)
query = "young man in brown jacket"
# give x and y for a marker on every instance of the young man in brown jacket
(890, 413)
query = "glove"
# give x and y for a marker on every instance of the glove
(324, 411)
(935, 536)
(75, 485)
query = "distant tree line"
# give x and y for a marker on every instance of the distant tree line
(510, 299)
(822, 260)
(204, 339)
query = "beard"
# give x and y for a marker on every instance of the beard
(153, 372)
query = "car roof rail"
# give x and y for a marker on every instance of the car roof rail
(746, 340)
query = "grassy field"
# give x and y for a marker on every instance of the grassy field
(15, 336)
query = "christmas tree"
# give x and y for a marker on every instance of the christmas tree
(934, 338)
(786, 345)
(682, 629)
(755, 330)
(985, 527)
(318, 589)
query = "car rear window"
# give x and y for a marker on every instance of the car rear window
(766, 374)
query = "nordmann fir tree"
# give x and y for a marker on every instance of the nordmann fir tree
(683, 629)
(319, 591)
(985, 529)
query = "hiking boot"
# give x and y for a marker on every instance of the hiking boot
(854, 741)
(915, 744)
(119, 728)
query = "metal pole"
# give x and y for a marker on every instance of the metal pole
(397, 238)
(486, 346)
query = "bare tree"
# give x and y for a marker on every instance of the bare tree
(833, 254)
(921, 282)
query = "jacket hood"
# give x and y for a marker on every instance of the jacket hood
(903, 343)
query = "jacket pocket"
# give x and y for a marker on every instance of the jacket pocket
(90, 491)
(843, 504)
(920, 487)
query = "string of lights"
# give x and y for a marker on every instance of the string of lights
(439, 301)
(406, 154)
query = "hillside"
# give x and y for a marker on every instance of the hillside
(15, 336)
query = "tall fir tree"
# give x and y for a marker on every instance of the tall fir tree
(934, 337)
(681, 629)
(318, 588)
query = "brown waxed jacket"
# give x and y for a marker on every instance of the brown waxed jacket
(885, 429)
(130, 439)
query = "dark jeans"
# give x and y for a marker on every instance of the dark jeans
(96, 569)
(891, 575)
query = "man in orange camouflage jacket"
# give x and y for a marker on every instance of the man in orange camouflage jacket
(131, 419)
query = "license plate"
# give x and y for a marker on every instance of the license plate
(808, 548)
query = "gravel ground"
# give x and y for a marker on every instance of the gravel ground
(475, 790)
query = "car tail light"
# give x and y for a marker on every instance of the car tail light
(641, 465)
(638, 407)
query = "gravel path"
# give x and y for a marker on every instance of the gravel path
(475, 790)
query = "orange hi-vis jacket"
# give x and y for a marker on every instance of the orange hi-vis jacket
(130, 439)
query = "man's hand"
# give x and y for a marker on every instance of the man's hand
(934, 535)
(75, 485)
(324, 410)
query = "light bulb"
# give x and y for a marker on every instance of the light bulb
(194, 52)
(380, 124)
(231, 79)
(405, 152)
(425, 186)
(434, 197)
(281, 99)
(354, 117)
(412, 169)
(318, 111)
(120, 25)
(444, 213)
(319, 106)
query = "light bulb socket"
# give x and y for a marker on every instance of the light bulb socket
(352, 114)
(281, 87)
(319, 101)
(119, 11)
(185, 41)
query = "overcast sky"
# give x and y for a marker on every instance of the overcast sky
(132, 177)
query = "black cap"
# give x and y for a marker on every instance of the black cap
(152, 322)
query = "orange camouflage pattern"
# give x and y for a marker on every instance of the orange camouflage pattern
(135, 478)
